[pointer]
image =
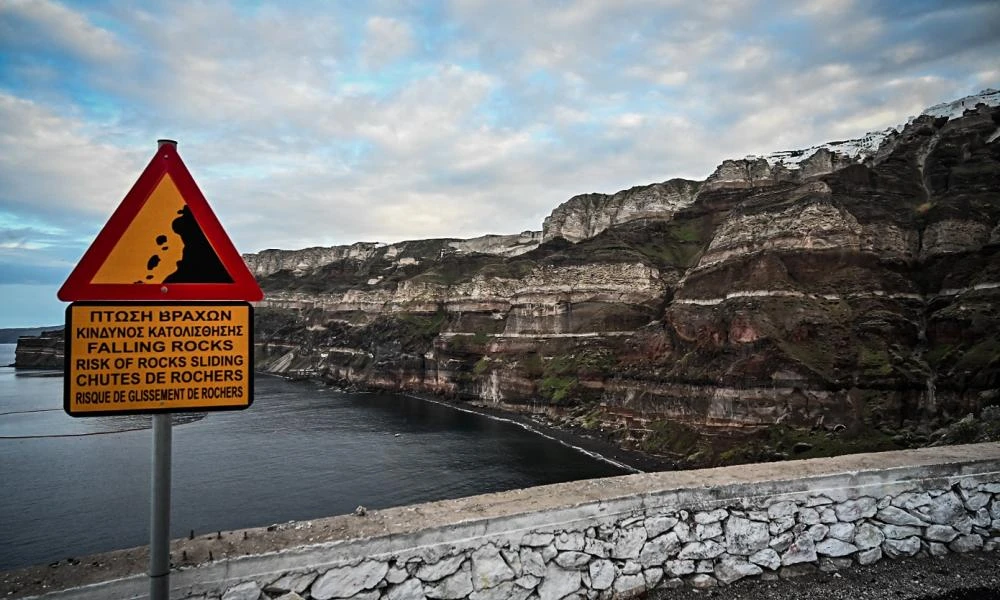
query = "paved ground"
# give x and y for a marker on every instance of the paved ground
(972, 576)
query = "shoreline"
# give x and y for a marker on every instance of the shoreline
(629, 461)
(581, 444)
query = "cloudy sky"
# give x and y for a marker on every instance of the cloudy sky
(319, 123)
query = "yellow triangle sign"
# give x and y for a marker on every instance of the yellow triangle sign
(162, 243)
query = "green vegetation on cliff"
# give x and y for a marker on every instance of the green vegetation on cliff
(726, 329)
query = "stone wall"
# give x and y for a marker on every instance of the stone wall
(616, 537)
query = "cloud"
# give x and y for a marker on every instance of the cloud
(852, 33)
(50, 163)
(386, 40)
(824, 8)
(750, 56)
(214, 66)
(45, 24)
(307, 126)
(327, 124)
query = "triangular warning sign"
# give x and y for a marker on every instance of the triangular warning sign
(162, 243)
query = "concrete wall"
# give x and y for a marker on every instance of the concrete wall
(608, 538)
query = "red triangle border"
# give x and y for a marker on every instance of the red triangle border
(166, 161)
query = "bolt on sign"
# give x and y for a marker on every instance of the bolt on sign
(160, 319)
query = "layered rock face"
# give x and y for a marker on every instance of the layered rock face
(44, 351)
(857, 290)
(299, 262)
(753, 172)
(586, 215)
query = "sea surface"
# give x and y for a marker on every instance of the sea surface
(74, 486)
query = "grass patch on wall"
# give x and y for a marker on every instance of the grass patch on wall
(874, 362)
(671, 437)
(417, 331)
(558, 390)
(778, 442)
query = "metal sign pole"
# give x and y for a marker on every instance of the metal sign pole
(202, 290)
(159, 509)
(159, 497)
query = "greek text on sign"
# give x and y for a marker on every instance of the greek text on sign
(158, 357)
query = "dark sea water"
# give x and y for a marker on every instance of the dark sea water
(73, 486)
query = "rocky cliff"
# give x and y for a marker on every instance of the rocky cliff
(299, 262)
(854, 293)
(44, 351)
(586, 215)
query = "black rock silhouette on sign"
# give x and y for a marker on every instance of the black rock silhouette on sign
(199, 263)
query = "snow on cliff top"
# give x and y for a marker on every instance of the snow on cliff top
(856, 149)
(955, 108)
(865, 146)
